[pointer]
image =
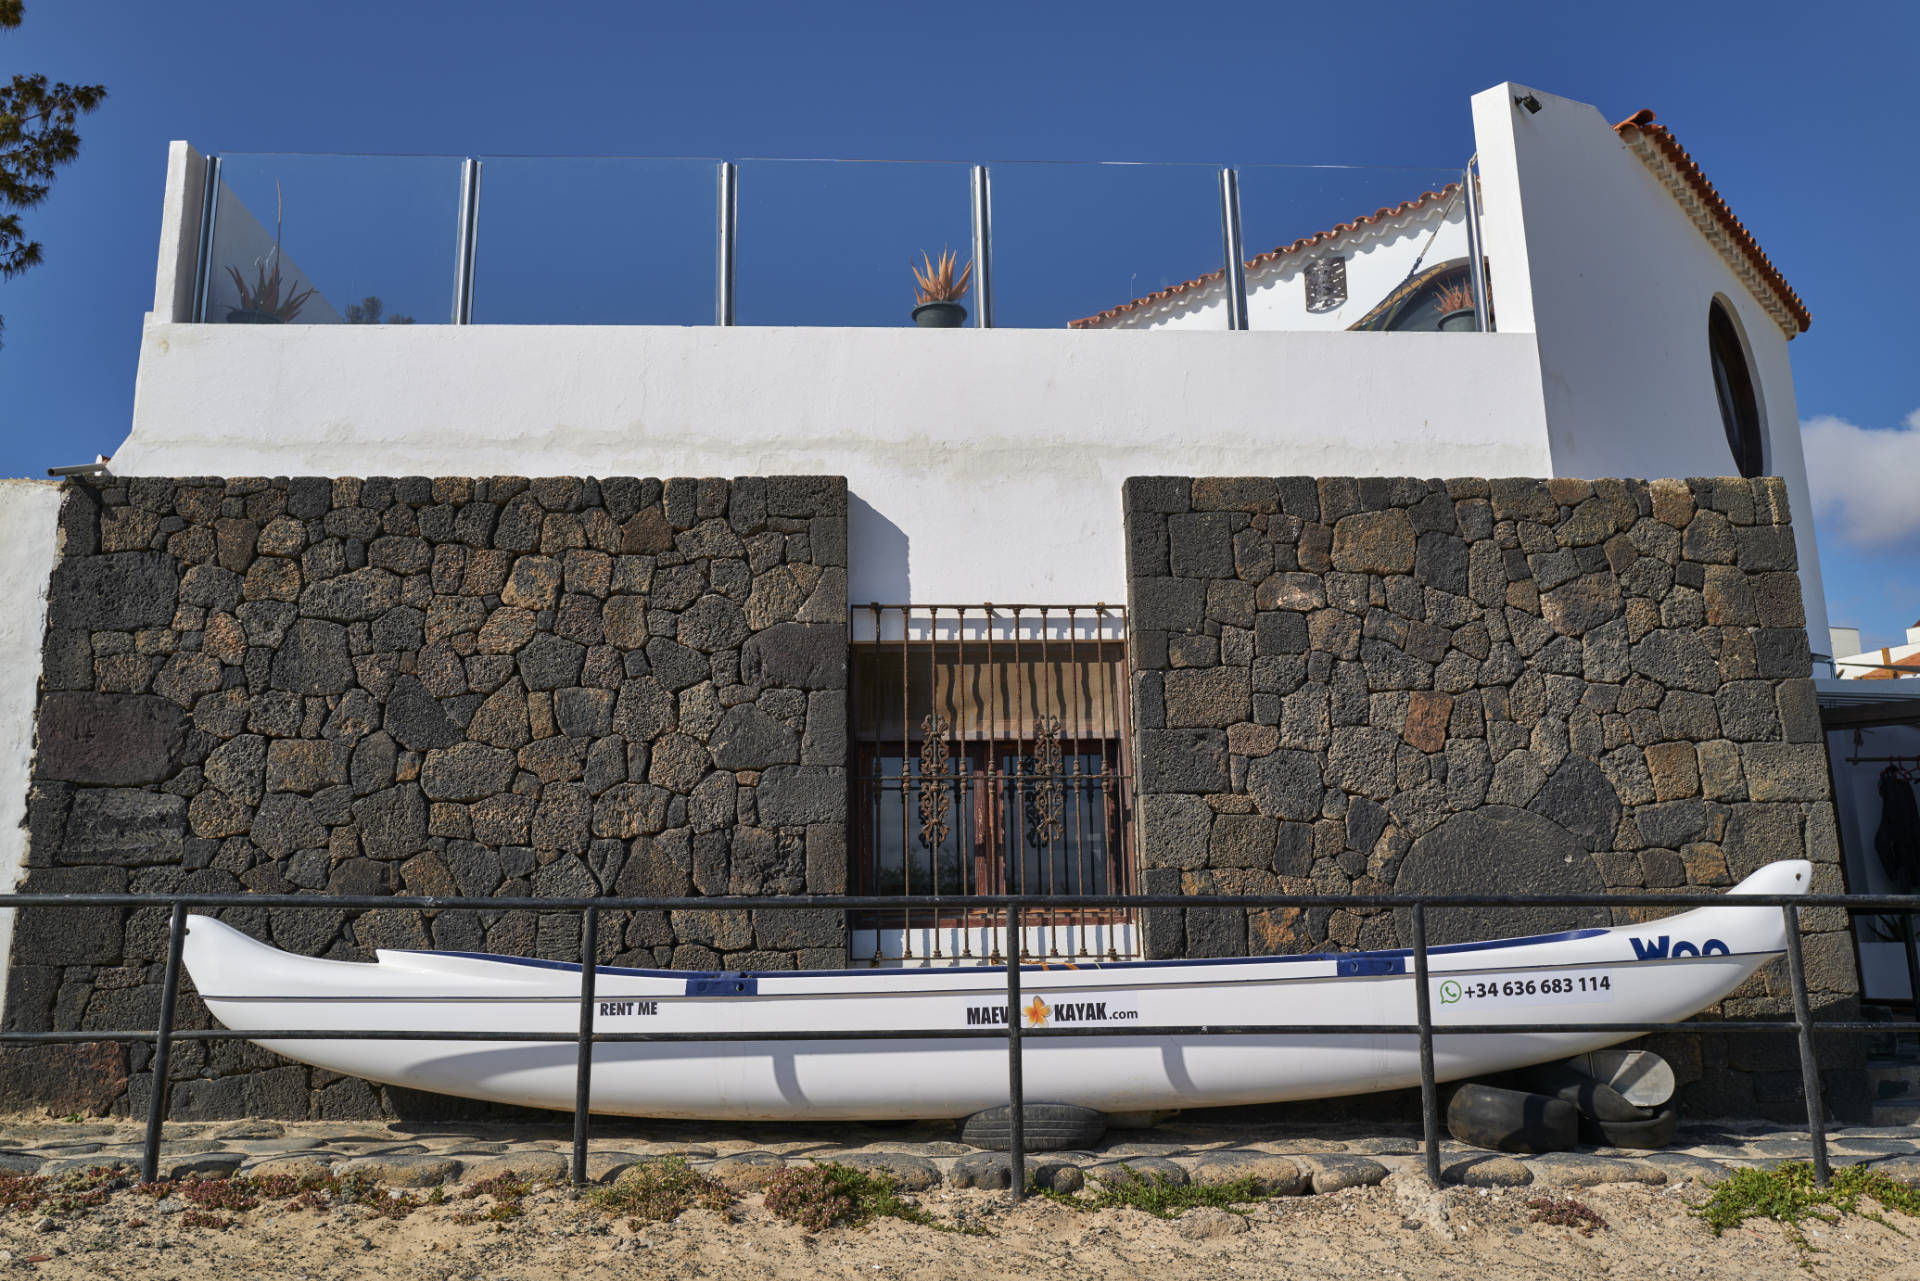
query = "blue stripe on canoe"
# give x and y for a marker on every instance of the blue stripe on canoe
(1439, 949)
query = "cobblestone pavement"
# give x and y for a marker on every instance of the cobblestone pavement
(921, 1155)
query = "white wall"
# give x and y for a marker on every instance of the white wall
(29, 524)
(186, 192)
(1617, 282)
(984, 464)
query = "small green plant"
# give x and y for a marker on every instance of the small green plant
(658, 1191)
(1788, 1195)
(201, 1219)
(72, 1118)
(1160, 1196)
(1565, 1212)
(827, 1194)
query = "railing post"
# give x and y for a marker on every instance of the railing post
(468, 241)
(203, 266)
(163, 1044)
(982, 248)
(1234, 249)
(1423, 1008)
(583, 1048)
(1016, 1086)
(1809, 1066)
(1476, 254)
(729, 234)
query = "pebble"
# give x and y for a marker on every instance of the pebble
(403, 1170)
(250, 1130)
(988, 1170)
(1057, 1176)
(1138, 1169)
(1207, 1222)
(910, 1173)
(1679, 1167)
(1123, 1150)
(1487, 1172)
(1577, 1170)
(297, 1165)
(1334, 1173)
(1277, 1175)
(214, 1164)
(605, 1167)
(747, 1171)
(535, 1165)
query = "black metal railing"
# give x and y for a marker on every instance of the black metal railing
(1803, 1024)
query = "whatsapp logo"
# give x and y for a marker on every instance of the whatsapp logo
(1449, 992)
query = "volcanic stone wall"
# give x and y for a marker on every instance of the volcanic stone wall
(1523, 686)
(484, 687)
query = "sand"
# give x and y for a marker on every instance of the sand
(1400, 1230)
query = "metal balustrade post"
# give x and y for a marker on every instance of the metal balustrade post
(203, 265)
(1423, 1011)
(1016, 1085)
(1809, 1065)
(1233, 249)
(467, 243)
(583, 1046)
(982, 248)
(163, 1044)
(729, 235)
(1476, 252)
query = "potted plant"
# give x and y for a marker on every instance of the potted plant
(1455, 305)
(938, 293)
(261, 304)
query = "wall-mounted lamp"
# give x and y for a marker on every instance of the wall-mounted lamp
(1531, 103)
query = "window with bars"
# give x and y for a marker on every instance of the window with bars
(990, 758)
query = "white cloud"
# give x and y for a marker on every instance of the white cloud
(1865, 482)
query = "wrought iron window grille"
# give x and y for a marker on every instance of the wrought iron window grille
(991, 756)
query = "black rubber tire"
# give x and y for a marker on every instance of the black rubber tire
(1645, 1136)
(1595, 1099)
(1512, 1120)
(1050, 1127)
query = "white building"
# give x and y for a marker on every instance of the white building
(1607, 250)
(1889, 662)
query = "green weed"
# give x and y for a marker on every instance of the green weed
(825, 1194)
(1788, 1195)
(658, 1191)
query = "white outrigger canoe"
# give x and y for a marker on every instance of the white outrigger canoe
(1659, 972)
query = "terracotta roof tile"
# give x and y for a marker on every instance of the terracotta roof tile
(1662, 153)
(1273, 255)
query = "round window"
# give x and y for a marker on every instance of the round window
(1739, 407)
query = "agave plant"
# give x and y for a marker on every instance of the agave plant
(263, 298)
(1453, 297)
(936, 283)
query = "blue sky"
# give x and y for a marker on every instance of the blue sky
(1798, 113)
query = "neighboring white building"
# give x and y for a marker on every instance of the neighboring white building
(1888, 663)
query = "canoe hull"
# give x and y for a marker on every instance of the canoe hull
(1663, 971)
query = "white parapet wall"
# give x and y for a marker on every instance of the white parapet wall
(983, 464)
(29, 531)
(1596, 256)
